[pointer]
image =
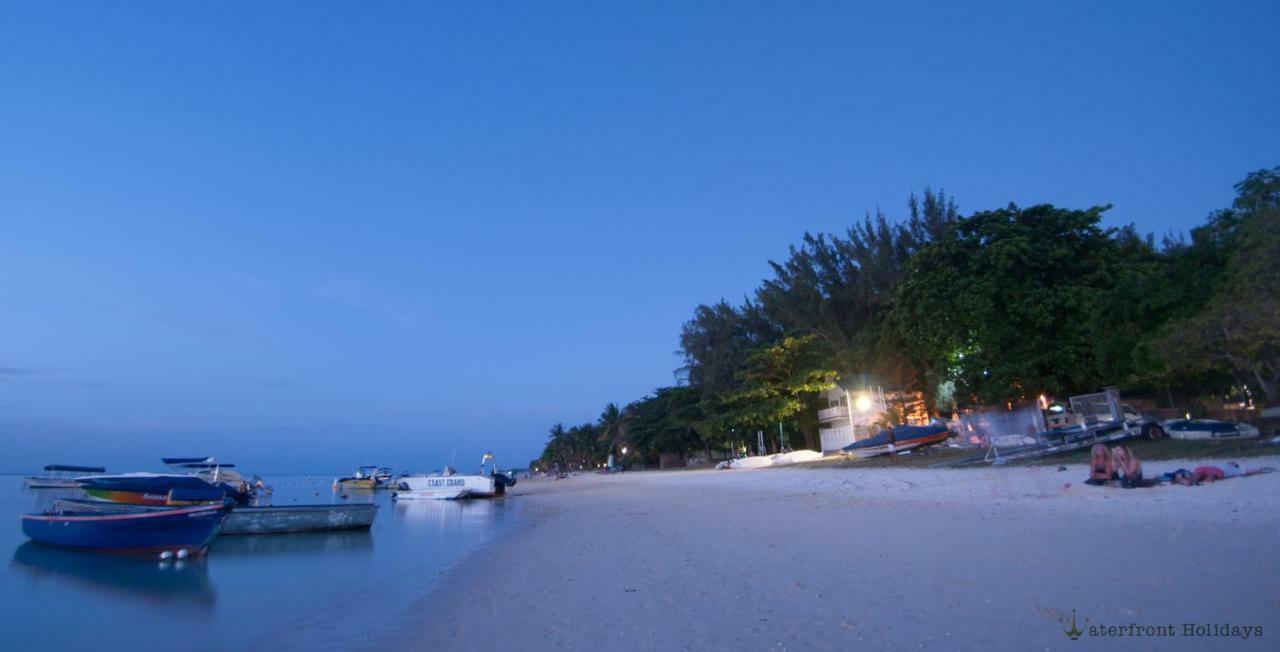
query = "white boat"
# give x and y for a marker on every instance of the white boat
(1209, 429)
(445, 487)
(61, 476)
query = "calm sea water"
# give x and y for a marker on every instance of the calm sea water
(287, 591)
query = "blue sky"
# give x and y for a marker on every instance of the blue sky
(305, 236)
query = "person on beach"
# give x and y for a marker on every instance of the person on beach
(1213, 473)
(1127, 467)
(1101, 468)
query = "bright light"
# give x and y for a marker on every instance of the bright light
(863, 402)
(624, 450)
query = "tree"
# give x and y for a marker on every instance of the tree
(1238, 331)
(778, 382)
(1005, 306)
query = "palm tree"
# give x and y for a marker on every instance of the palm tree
(613, 426)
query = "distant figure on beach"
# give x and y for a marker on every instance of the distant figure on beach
(1213, 473)
(1101, 467)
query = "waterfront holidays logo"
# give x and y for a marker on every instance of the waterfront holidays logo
(1169, 630)
(1073, 633)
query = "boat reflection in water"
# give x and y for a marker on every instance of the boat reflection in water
(298, 543)
(119, 576)
(428, 515)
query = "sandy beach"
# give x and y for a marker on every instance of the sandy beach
(791, 559)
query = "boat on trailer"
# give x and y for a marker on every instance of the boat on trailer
(904, 438)
(1208, 429)
(62, 476)
(184, 530)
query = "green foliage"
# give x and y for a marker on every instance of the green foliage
(1238, 330)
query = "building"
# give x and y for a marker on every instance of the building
(851, 414)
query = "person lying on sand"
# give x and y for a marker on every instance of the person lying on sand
(1213, 473)
(1101, 468)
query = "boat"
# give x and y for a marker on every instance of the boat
(161, 489)
(300, 518)
(61, 476)
(182, 530)
(1209, 429)
(905, 438)
(213, 471)
(267, 519)
(443, 486)
(365, 477)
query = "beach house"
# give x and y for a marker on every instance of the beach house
(852, 411)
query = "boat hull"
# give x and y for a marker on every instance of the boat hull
(1210, 430)
(189, 528)
(299, 518)
(34, 482)
(905, 438)
(473, 486)
(155, 489)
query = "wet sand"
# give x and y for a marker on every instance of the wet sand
(801, 559)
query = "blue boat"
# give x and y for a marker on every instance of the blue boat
(176, 529)
(904, 438)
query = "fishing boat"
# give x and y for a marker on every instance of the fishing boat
(183, 530)
(904, 438)
(365, 477)
(300, 518)
(162, 489)
(61, 476)
(269, 519)
(1209, 429)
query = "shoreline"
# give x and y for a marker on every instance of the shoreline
(800, 558)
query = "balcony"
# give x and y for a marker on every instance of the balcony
(833, 414)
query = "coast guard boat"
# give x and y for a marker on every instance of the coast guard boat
(451, 485)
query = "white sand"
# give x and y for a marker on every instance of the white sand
(800, 559)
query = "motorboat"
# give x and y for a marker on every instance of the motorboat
(157, 489)
(1209, 429)
(365, 478)
(61, 476)
(178, 530)
(451, 485)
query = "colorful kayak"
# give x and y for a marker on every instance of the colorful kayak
(178, 529)
(904, 438)
(160, 489)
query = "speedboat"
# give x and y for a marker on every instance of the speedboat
(61, 476)
(444, 486)
(451, 485)
(1209, 429)
(160, 489)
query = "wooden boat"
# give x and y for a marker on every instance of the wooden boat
(175, 529)
(161, 489)
(1209, 429)
(300, 518)
(61, 476)
(905, 438)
